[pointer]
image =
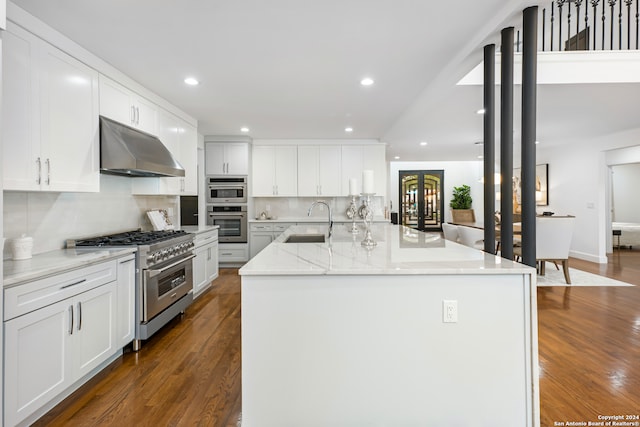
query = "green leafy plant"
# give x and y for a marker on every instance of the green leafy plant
(461, 197)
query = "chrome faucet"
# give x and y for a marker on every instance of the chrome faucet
(330, 216)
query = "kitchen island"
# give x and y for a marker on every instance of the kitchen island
(416, 331)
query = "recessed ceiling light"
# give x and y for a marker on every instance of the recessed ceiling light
(367, 81)
(537, 142)
(423, 143)
(480, 111)
(397, 157)
(348, 129)
(244, 129)
(481, 156)
(191, 81)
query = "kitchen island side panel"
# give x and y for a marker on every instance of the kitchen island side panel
(373, 350)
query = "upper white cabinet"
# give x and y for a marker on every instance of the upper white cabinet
(227, 158)
(125, 106)
(319, 167)
(275, 170)
(181, 139)
(3, 14)
(356, 158)
(49, 116)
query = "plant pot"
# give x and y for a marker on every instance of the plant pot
(462, 216)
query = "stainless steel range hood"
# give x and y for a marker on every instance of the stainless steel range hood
(129, 152)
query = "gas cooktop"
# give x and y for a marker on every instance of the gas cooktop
(130, 238)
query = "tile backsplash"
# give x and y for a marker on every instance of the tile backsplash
(52, 218)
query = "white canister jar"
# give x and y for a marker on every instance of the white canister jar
(21, 247)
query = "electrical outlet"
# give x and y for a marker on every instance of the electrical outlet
(449, 311)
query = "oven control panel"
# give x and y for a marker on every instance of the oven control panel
(168, 253)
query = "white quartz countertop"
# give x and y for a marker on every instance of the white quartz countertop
(197, 229)
(55, 262)
(399, 251)
(313, 219)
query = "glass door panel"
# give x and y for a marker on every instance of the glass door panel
(421, 199)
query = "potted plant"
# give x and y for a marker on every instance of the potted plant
(461, 205)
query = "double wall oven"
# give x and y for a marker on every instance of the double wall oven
(227, 207)
(164, 274)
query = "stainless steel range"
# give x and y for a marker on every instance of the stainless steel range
(164, 274)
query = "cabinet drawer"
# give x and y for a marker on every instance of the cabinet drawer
(31, 296)
(232, 254)
(206, 238)
(279, 228)
(262, 227)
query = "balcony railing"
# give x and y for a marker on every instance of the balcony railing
(589, 25)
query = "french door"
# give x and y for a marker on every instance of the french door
(421, 199)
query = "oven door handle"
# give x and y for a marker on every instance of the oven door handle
(153, 273)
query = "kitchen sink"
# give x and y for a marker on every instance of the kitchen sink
(305, 238)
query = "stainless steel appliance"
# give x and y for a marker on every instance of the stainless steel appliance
(164, 280)
(226, 189)
(232, 220)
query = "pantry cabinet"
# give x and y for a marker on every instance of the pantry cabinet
(318, 166)
(125, 106)
(49, 116)
(226, 158)
(275, 171)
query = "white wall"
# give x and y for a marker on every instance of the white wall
(52, 218)
(626, 203)
(455, 175)
(579, 185)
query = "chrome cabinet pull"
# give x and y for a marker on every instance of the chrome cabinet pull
(79, 315)
(73, 284)
(133, 115)
(71, 320)
(137, 116)
(48, 181)
(39, 163)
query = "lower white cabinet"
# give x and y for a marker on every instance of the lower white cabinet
(125, 319)
(233, 253)
(205, 264)
(261, 234)
(52, 345)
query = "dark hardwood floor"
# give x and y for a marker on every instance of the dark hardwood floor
(189, 373)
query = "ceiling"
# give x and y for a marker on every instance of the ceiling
(291, 68)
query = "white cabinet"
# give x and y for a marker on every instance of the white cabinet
(125, 106)
(261, 234)
(50, 117)
(356, 158)
(226, 158)
(126, 288)
(61, 329)
(233, 253)
(70, 318)
(181, 139)
(275, 170)
(319, 168)
(205, 264)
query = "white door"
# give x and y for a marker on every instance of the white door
(262, 171)
(69, 123)
(146, 115)
(21, 145)
(37, 364)
(329, 168)
(200, 268)
(115, 102)
(125, 318)
(95, 328)
(188, 157)
(237, 158)
(214, 159)
(308, 167)
(286, 171)
(212, 262)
